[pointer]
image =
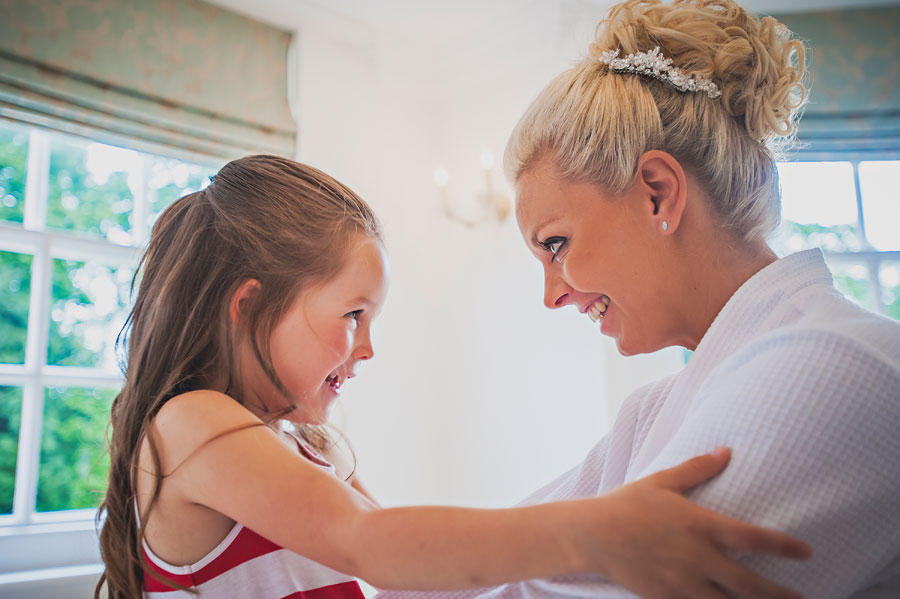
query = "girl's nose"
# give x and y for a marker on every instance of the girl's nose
(364, 350)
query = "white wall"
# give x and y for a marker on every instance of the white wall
(478, 394)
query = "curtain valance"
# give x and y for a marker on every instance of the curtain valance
(854, 108)
(176, 73)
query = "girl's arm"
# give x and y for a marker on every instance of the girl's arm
(362, 490)
(344, 466)
(645, 536)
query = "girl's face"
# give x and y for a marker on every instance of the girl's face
(319, 342)
(598, 255)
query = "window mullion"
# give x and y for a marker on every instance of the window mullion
(37, 185)
(141, 208)
(874, 264)
(37, 180)
(33, 397)
(860, 217)
(28, 459)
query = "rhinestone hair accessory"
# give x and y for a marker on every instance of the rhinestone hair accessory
(654, 64)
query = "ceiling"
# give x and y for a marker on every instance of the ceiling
(435, 23)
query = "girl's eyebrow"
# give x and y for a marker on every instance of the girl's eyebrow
(361, 300)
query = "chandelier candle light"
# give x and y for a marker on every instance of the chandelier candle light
(492, 205)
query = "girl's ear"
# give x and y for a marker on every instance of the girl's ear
(241, 300)
(664, 185)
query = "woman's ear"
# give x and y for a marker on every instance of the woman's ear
(663, 184)
(241, 300)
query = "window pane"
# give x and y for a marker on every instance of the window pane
(881, 203)
(10, 416)
(15, 281)
(74, 462)
(818, 207)
(88, 307)
(852, 279)
(169, 179)
(889, 277)
(91, 188)
(13, 160)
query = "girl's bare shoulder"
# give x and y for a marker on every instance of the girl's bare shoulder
(191, 420)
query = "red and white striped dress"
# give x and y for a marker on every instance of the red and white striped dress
(246, 565)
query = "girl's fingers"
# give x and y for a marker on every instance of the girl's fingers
(719, 576)
(742, 581)
(741, 536)
(694, 471)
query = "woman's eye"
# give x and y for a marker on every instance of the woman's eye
(354, 315)
(553, 245)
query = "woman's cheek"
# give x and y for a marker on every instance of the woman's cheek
(577, 272)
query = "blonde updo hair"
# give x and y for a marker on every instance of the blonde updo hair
(595, 124)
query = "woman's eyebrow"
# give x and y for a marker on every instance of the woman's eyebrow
(534, 236)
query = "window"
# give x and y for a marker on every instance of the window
(852, 213)
(74, 215)
(851, 210)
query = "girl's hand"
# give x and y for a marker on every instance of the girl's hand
(663, 546)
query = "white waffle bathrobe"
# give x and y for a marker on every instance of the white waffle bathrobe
(804, 387)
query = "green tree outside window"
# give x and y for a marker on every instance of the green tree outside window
(10, 417)
(74, 460)
(13, 158)
(15, 283)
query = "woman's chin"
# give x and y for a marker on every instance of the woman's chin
(627, 345)
(613, 329)
(631, 347)
(626, 350)
(629, 342)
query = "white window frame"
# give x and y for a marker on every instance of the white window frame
(60, 544)
(870, 256)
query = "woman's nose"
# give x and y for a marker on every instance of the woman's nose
(556, 291)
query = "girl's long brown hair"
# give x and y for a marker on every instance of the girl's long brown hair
(262, 217)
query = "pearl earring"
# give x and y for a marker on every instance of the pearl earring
(665, 226)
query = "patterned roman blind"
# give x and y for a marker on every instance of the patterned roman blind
(854, 109)
(180, 75)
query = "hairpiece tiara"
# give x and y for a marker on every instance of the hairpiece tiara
(653, 64)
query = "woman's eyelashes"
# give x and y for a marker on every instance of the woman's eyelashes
(553, 245)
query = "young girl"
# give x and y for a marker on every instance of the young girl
(255, 305)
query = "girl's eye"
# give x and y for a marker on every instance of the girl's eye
(553, 245)
(354, 315)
